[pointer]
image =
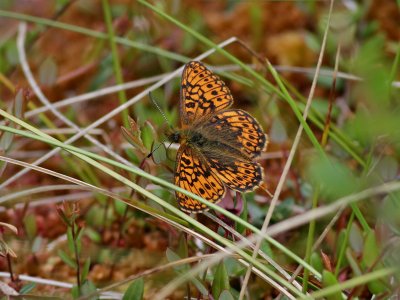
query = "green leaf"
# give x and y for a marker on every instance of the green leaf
(371, 250)
(87, 288)
(75, 292)
(233, 267)
(30, 226)
(377, 287)
(284, 209)
(59, 4)
(70, 240)
(226, 295)
(93, 235)
(3, 166)
(277, 133)
(200, 286)
(344, 30)
(148, 136)
(340, 240)
(135, 290)
(328, 279)
(12, 54)
(5, 249)
(48, 72)
(80, 234)
(334, 177)
(85, 269)
(244, 216)
(133, 135)
(390, 211)
(312, 42)
(172, 256)
(27, 288)
(65, 258)
(221, 280)
(265, 247)
(6, 141)
(19, 104)
(182, 246)
(322, 105)
(316, 261)
(78, 241)
(387, 168)
(120, 207)
(366, 128)
(37, 244)
(356, 238)
(370, 64)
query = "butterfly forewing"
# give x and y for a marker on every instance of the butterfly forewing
(193, 174)
(202, 93)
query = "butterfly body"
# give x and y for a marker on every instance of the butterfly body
(212, 142)
(218, 144)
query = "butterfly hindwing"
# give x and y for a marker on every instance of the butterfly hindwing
(238, 175)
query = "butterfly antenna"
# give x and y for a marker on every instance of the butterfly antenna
(166, 121)
(159, 145)
(159, 109)
(155, 149)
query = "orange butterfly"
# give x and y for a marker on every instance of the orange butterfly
(218, 144)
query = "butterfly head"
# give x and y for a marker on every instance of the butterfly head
(173, 136)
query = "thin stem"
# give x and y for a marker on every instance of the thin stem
(327, 126)
(310, 240)
(9, 265)
(76, 252)
(343, 246)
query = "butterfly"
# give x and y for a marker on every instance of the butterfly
(217, 144)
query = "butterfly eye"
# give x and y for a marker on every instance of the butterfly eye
(174, 137)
